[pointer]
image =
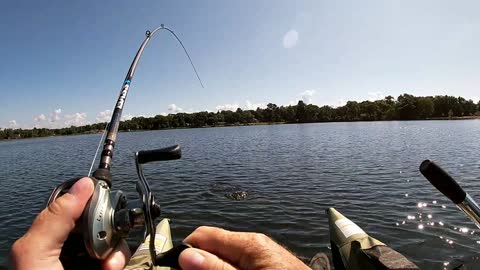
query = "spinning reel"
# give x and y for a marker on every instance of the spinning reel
(109, 217)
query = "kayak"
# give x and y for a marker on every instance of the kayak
(353, 248)
(141, 259)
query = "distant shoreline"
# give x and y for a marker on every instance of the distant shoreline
(405, 108)
(476, 117)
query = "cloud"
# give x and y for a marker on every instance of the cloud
(76, 119)
(234, 106)
(341, 102)
(55, 116)
(307, 96)
(12, 123)
(104, 116)
(174, 108)
(227, 107)
(40, 118)
(253, 106)
(53, 121)
(40, 121)
(290, 39)
(126, 117)
(372, 96)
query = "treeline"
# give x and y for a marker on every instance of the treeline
(405, 107)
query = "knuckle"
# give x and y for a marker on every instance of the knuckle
(206, 230)
(202, 230)
(56, 207)
(16, 248)
(260, 238)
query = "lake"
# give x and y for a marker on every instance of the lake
(367, 170)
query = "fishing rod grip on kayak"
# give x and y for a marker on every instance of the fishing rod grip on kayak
(167, 153)
(450, 188)
(442, 181)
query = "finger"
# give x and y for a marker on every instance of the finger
(55, 222)
(119, 257)
(196, 259)
(231, 246)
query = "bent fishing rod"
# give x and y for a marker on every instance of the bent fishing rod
(108, 216)
(103, 171)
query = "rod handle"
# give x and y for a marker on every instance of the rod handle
(442, 181)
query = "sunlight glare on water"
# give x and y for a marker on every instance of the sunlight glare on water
(292, 173)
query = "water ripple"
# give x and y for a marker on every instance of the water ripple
(369, 171)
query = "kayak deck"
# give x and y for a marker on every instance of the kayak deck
(353, 248)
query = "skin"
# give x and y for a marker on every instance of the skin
(40, 247)
(220, 249)
(217, 249)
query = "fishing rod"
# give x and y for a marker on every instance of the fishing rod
(108, 216)
(445, 183)
(103, 171)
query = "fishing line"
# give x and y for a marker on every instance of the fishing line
(184, 49)
(110, 133)
(98, 148)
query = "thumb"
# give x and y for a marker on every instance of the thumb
(54, 224)
(197, 259)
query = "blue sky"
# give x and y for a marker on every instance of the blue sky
(63, 62)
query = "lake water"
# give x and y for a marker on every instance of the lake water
(367, 170)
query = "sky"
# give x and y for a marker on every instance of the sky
(63, 62)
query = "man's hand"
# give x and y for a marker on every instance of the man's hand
(224, 250)
(41, 245)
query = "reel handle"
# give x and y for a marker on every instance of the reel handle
(167, 153)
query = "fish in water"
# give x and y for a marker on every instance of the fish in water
(232, 192)
(237, 195)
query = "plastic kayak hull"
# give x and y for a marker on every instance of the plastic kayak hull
(353, 248)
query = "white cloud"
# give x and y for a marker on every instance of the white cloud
(126, 117)
(76, 119)
(290, 39)
(40, 118)
(227, 107)
(174, 108)
(104, 116)
(12, 123)
(253, 106)
(307, 96)
(234, 106)
(372, 96)
(163, 113)
(40, 121)
(340, 102)
(55, 116)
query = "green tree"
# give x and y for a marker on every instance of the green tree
(406, 107)
(301, 112)
(425, 107)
